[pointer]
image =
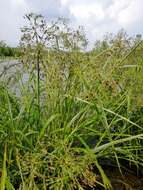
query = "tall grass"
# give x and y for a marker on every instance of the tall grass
(88, 114)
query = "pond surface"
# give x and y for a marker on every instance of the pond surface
(9, 67)
(13, 74)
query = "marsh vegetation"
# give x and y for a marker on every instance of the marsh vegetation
(77, 120)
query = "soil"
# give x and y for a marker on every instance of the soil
(128, 180)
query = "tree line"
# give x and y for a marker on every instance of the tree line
(7, 51)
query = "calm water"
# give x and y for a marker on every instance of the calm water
(13, 73)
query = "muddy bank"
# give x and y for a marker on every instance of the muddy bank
(129, 179)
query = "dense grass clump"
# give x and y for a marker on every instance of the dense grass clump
(76, 112)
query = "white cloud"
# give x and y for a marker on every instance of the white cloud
(84, 11)
(116, 7)
(11, 18)
(18, 3)
(64, 2)
(98, 17)
(131, 14)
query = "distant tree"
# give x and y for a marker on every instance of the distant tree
(3, 44)
(7, 51)
(120, 43)
(138, 38)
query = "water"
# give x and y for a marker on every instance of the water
(12, 72)
(8, 68)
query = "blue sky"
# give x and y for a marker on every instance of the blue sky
(97, 16)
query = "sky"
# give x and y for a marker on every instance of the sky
(97, 16)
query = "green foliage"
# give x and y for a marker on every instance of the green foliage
(90, 109)
(6, 51)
